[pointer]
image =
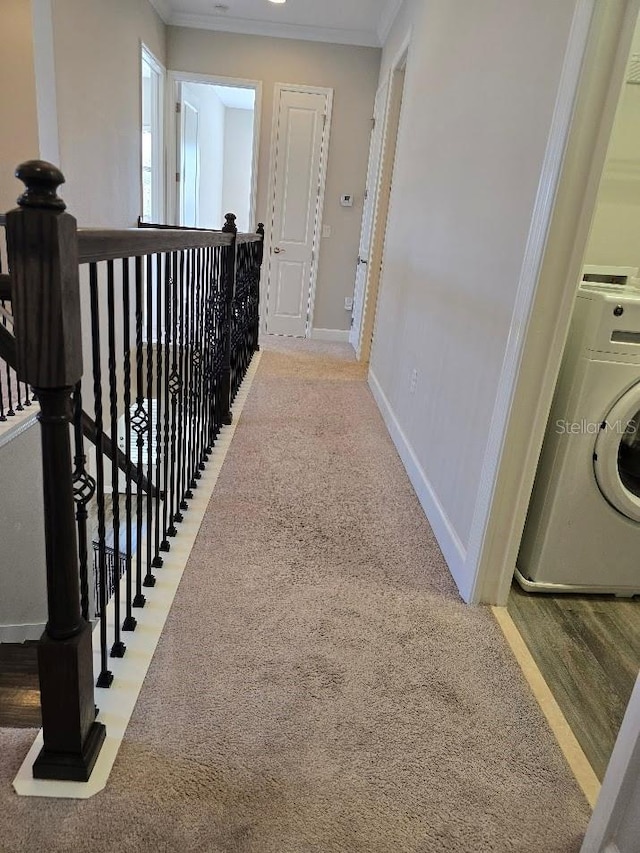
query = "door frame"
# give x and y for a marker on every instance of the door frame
(374, 191)
(383, 187)
(174, 81)
(617, 806)
(588, 95)
(181, 162)
(324, 160)
(159, 176)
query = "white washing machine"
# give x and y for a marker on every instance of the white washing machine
(583, 527)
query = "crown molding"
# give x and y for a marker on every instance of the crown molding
(387, 19)
(163, 8)
(244, 26)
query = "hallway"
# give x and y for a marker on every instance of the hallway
(319, 686)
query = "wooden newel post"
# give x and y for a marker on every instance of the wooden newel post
(229, 284)
(43, 258)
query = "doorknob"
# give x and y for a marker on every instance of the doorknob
(277, 250)
(362, 260)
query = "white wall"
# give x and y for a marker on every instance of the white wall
(353, 74)
(97, 59)
(615, 233)
(211, 136)
(481, 85)
(18, 103)
(238, 154)
(23, 587)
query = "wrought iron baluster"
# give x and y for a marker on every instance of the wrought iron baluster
(195, 371)
(159, 290)
(149, 580)
(130, 621)
(182, 505)
(84, 488)
(139, 424)
(169, 397)
(203, 454)
(3, 417)
(188, 382)
(105, 678)
(220, 309)
(173, 388)
(118, 648)
(206, 349)
(10, 413)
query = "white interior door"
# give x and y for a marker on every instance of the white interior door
(368, 214)
(301, 141)
(189, 165)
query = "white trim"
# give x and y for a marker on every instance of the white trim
(244, 26)
(340, 336)
(175, 79)
(21, 633)
(324, 161)
(16, 425)
(532, 358)
(117, 702)
(388, 19)
(450, 544)
(567, 741)
(159, 167)
(617, 807)
(383, 193)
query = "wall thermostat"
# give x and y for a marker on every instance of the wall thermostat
(346, 200)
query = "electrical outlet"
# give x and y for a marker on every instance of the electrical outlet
(348, 304)
(414, 381)
(326, 231)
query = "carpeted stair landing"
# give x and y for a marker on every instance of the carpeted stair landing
(319, 687)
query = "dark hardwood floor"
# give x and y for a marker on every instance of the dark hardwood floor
(588, 650)
(19, 690)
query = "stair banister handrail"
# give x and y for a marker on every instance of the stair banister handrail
(45, 250)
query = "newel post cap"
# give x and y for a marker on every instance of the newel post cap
(230, 226)
(42, 180)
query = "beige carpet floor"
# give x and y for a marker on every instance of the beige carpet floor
(319, 687)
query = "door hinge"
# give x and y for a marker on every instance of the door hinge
(178, 107)
(178, 177)
(373, 123)
(366, 194)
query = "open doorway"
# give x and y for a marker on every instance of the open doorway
(215, 151)
(382, 152)
(576, 602)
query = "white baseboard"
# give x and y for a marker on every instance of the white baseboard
(452, 548)
(21, 633)
(336, 336)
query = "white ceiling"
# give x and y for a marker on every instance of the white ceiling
(236, 99)
(360, 22)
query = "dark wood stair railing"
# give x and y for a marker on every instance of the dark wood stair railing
(174, 323)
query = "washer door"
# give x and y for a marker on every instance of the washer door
(617, 455)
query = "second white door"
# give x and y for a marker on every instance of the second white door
(299, 161)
